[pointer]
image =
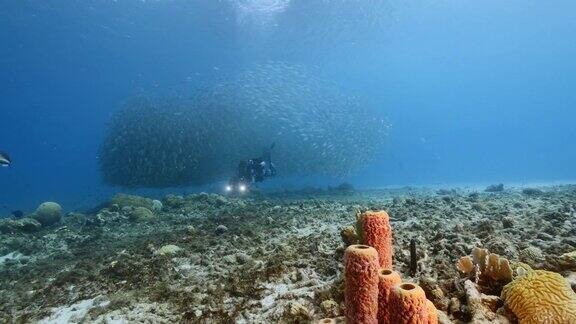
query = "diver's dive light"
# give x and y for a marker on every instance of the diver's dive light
(239, 188)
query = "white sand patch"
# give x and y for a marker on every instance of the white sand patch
(74, 313)
(139, 313)
(285, 291)
(274, 291)
(11, 256)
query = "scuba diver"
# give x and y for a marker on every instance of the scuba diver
(252, 171)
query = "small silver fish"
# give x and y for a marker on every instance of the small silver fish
(5, 160)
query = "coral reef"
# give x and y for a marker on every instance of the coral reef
(541, 296)
(374, 230)
(280, 258)
(48, 213)
(361, 278)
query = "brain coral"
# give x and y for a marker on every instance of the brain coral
(541, 297)
(48, 213)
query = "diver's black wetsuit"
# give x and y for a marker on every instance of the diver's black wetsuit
(254, 170)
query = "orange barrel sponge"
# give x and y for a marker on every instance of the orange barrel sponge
(408, 304)
(361, 284)
(387, 280)
(432, 312)
(375, 231)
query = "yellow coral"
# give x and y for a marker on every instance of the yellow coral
(541, 297)
(465, 264)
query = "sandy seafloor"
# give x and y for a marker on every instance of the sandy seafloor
(264, 259)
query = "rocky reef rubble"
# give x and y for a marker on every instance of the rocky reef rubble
(207, 258)
(47, 214)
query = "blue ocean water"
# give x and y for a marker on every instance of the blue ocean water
(476, 92)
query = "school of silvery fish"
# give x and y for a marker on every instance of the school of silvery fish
(316, 126)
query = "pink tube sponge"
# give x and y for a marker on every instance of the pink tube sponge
(375, 231)
(408, 305)
(387, 280)
(361, 281)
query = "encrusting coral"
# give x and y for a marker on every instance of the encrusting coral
(374, 230)
(408, 304)
(541, 296)
(387, 280)
(361, 280)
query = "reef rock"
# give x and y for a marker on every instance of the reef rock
(24, 225)
(174, 201)
(157, 206)
(532, 192)
(124, 200)
(221, 229)
(482, 307)
(349, 235)
(298, 312)
(495, 188)
(330, 308)
(532, 256)
(48, 213)
(141, 214)
(169, 249)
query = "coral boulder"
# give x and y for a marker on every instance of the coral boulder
(48, 213)
(541, 296)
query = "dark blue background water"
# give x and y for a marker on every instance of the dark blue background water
(477, 91)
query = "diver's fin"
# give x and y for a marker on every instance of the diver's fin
(267, 156)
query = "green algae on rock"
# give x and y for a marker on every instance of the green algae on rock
(141, 214)
(125, 200)
(24, 225)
